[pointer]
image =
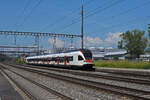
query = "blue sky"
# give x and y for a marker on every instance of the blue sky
(111, 18)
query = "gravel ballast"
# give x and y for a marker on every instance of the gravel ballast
(36, 91)
(72, 90)
(101, 80)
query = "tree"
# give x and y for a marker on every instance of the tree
(134, 42)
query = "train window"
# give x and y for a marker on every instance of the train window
(61, 59)
(57, 59)
(69, 58)
(53, 59)
(87, 54)
(50, 59)
(80, 57)
(44, 59)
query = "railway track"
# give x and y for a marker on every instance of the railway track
(28, 94)
(125, 72)
(93, 75)
(63, 97)
(130, 92)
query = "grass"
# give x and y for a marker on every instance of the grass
(20, 61)
(123, 64)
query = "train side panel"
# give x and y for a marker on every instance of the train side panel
(77, 59)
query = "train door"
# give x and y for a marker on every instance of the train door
(57, 60)
(80, 60)
(65, 60)
(75, 59)
(69, 60)
(48, 60)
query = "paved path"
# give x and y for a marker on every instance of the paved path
(7, 92)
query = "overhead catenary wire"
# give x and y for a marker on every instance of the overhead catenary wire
(58, 20)
(130, 22)
(76, 20)
(115, 16)
(105, 8)
(64, 17)
(123, 13)
(99, 9)
(126, 11)
(22, 12)
(30, 13)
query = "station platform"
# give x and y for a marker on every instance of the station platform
(7, 92)
(125, 70)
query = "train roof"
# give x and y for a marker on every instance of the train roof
(83, 50)
(69, 51)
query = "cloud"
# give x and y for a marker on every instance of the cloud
(111, 40)
(59, 43)
(90, 41)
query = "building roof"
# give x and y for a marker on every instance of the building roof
(145, 55)
(97, 52)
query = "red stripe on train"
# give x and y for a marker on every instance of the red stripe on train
(88, 60)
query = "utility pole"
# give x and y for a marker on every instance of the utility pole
(37, 44)
(82, 26)
(54, 44)
(149, 29)
(71, 45)
(149, 34)
(14, 39)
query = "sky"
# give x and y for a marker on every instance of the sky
(104, 20)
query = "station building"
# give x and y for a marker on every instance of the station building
(101, 53)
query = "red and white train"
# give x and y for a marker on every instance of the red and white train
(75, 58)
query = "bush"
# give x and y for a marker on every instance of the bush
(20, 61)
(115, 58)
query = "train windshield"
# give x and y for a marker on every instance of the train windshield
(87, 54)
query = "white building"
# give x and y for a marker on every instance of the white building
(107, 53)
(145, 57)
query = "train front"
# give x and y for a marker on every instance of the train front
(88, 62)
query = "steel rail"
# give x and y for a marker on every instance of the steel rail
(28, 94)
(124, 72)
(116, 78)
(130, 92)
(43, 87)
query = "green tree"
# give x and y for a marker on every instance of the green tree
(134, 42)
